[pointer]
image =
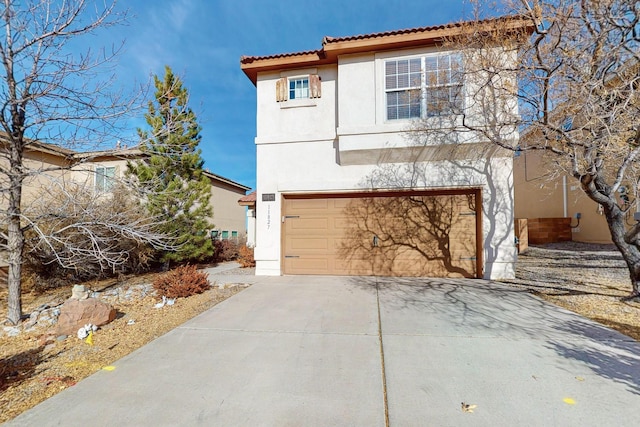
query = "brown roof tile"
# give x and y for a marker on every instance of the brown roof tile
(251, 197)
(334, 46)
(328, 39)
(248, 200)
(249, 59)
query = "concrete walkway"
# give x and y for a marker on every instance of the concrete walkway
(337, 351)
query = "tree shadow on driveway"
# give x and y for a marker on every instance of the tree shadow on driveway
(478, 308)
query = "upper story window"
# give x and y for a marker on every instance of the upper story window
(423, 87)
(299, 87)
(105, 178)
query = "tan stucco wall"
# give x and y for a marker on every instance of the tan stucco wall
(227, 214)
(45, 169)
(537, 195)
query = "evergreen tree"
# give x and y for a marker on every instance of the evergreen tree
(174, 184)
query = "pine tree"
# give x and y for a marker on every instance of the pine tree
(174, 184)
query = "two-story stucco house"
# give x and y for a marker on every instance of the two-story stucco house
(342, 186)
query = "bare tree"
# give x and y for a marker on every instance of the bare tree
(50, 94)
(572, 94)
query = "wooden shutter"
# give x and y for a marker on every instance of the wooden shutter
(315, 86)
(281, 89)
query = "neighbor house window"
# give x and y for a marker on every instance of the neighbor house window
(105, 178)
(224, 235)
(234, 235)
(423, 87)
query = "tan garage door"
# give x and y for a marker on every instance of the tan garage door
(419, 234)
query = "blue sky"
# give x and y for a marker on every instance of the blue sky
(202, 41)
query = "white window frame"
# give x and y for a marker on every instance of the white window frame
(298, 87)
(103, 181)
(408, 85)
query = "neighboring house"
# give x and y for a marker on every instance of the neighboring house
(342, 186)
(100, 170)
(553, 201)
(541, 197)
(250, 202)
(229, 218)
(103, 168)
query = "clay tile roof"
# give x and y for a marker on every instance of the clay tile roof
(248, 200)
(251, 197)
(249, 59)
(328, 39)
(332, 47)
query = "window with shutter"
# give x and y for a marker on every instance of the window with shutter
(300, 87)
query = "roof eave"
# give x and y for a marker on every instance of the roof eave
(228, 181)
(333, 47)
(281, 62)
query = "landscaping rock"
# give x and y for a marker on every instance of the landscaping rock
(74, 314)
(79, 292)
(12, 331)
(31, 322)
(48, 317)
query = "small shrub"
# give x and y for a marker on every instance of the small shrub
(245, 257)
(181, 282)
(225, 250)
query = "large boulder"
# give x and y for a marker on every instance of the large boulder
(75, 313)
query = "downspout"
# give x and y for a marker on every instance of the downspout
(564, 196)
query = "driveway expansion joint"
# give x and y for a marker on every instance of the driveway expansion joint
(281, 331)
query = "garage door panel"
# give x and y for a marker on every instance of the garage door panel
(307, 205)
(308, 265)
(373, 235)
(428, 269)
(306, 225)
(354, 267)
(340, 223)
(297, 244)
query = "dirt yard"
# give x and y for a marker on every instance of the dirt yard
(588, 279)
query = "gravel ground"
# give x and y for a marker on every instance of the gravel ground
(571, 266)
(589, 279)
(249, 271)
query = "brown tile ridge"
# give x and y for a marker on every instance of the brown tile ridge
(327, 40)
(251, 197)
(244, 59)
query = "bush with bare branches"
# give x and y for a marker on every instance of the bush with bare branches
(78, 234)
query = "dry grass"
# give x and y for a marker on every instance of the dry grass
(35, 366)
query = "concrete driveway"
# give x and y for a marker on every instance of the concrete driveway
(338, 351)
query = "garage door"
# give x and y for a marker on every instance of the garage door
(417, 234)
